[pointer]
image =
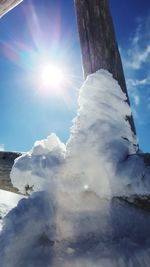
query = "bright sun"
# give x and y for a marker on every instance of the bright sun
(52, 76)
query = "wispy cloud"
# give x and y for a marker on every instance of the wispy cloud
(138, 57)
(136, 61)
(136, 100)
(134, 94)
(139, 51)
(135, 82)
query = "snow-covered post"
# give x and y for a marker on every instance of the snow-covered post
(98, 41)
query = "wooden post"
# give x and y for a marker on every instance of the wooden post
(98, 42)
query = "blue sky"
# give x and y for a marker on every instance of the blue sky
(46, 30)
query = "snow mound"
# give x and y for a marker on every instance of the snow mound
(36, 169)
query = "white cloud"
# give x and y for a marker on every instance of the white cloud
(135, 114)
(136, 61)
(2, 148)
(139, 51)
(136, 82)
(136, 100)
(138, 57)
(134, 92)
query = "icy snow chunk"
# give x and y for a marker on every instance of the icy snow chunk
(51, 144)
(36, 170)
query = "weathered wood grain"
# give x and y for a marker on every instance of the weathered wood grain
(7, 5)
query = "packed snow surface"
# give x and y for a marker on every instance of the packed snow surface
(8, 201)
(75, 218)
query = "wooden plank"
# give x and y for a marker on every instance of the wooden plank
(98, 41)
(7, 5)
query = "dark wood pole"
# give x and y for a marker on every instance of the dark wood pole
(98, 41)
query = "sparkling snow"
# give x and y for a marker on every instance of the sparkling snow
(8, 201)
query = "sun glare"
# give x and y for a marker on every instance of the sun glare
(52, 80)
(52, 76)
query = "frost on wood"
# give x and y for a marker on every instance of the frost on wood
(100, 155)
(7, 5)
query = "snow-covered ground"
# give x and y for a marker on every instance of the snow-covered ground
(8, 201)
